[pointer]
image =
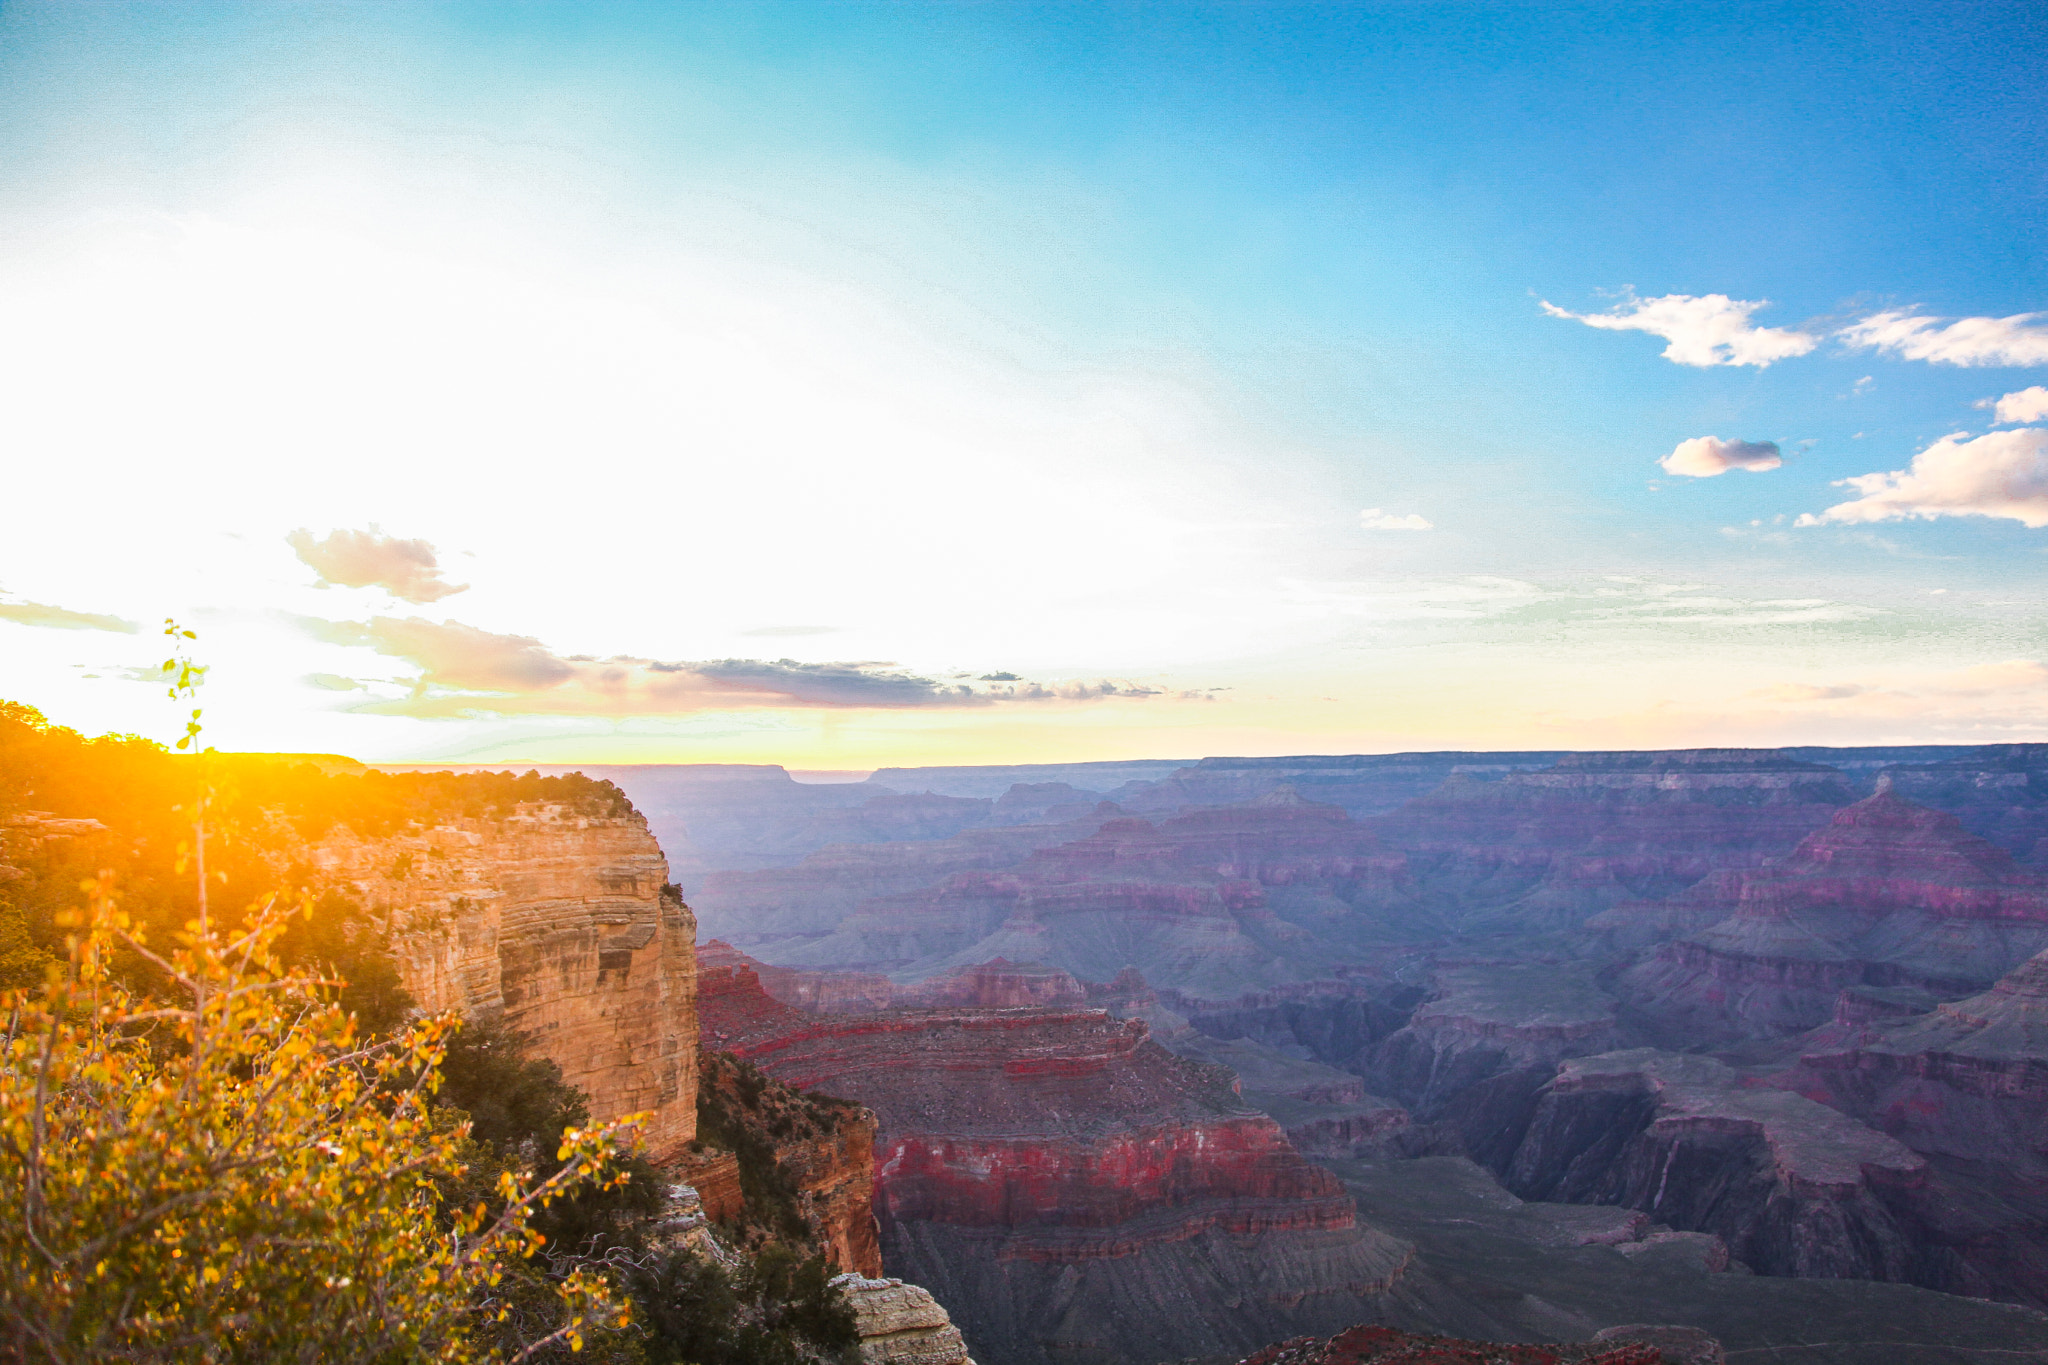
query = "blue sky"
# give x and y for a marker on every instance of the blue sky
(779, 378)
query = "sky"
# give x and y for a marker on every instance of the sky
(851, 384)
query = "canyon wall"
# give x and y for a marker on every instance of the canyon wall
(1888, 894)
(560, 923)
(1071, 1190)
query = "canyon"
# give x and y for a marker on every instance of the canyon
(1435, 957)
(1172, 1061)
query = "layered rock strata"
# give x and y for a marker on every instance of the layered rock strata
(901, 1324)
(1790, 1186)
(1070, 1189)
(1193, 902)
(558, 922)
(1887, 894)
(1965, 1083)
(1489, 1039)
(804, 1163)
(1545, 849)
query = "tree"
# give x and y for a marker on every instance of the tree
(223, 1170)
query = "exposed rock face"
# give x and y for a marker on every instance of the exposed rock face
(1791, 1186)
(802, 1162)
(1548, 848)
(1967, 1084)
(1888, 894)
(1999, 791)
(843, 891)
(1058, 1179)
(901, 1324)
(1968, 1079)
(1386, 1346)
(560, 923)
(1501, 1025)
(1189, 902)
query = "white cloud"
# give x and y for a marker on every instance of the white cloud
(406, 569)
(1373, 519)
(2028, 405)
(2001, 474)
(2018, 340)
(63, 618)
(1703, 329)
(1705, 456)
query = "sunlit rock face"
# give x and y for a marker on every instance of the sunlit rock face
(558, 922)
(1062, 1182)
(1889, 893)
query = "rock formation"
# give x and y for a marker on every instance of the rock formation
(1492, 1020)
(1544, 849)
(1887, 894)
(784, 1164)
(901, 1324)
(1965, 1083)
(1790, 1186)
(1059, 1180)
(560, 923)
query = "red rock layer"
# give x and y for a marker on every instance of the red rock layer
(559, 922)
(1049, 1119)
(1888, 894)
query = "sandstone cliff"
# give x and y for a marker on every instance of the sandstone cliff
(559, 922)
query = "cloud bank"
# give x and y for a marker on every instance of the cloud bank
(2028, 405)
(61, 618)
(2021, 339)
(1705, 456)
(464, 671)
(407, 569)
(2000, 474)
(1373, 519)
(1703, 329)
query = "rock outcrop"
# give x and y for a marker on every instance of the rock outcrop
(802, 1165)
(561, 923)
(1790, 1186)
(901, 1324)
(1492, 1020)
(1887, 894)
(1965, 1083)
(1067, 1187)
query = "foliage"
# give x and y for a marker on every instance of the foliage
(518, 1108)
(776, 1308)
(745, 1111)
(236, 1176)
(258, 805)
